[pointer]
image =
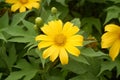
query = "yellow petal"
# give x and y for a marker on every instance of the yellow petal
(35, 0)
(63, 56)
(43, 37)
(108, 38)
(28, 5)
(44, 44)
(54, 55)
(76, 40)
(48, 30)
(22, 9)
(69, 29)
(35, 5)
(112, 27)
(56, 26)
(11, 1)
(53, 28)
(114, 50)
(48, 52)
(15, 7)
(72, 50)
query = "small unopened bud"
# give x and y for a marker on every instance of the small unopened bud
(35, 27)
(53, 10)
(38, 21)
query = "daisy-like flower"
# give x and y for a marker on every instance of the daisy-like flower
(111, 39)
(59, 39)
(22, 5)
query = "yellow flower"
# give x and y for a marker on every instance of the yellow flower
(112, 39)
(23, 4)
(59, 39)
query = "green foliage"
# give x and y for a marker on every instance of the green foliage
(20, 58)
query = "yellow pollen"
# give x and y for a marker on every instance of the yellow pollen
(23, 1)
(60, 39)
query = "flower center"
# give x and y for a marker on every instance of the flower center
(60, 39)
(23, 1)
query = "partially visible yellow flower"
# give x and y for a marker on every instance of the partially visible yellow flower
(59, 39)
(112, 39)
(23, 4)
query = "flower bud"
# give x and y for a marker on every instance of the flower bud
(38, 21)
(53, 10)
(35, 27)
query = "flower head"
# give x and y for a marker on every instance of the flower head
(112, 39)
(23, 4)
(59, 39)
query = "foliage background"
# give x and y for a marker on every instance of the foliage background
(20, 58)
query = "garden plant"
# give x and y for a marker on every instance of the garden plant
(59, 39)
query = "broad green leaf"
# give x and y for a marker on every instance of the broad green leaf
(4, 21)
(2, 37)
(80, 58)
(62, 2)
(12, 57)
(28, 71)
(85, 76)
(76, 22)
(18, 17)
(29, 27)
(21, 39)
(91, 53)
(17, 31)
(21, 35)
(76, 67)
(91, 22)
(8, 55)
(112, 13)
(55, 74)
(45, 14)
(94, 65)
(117, 63)
(107, 65)
(39, 52)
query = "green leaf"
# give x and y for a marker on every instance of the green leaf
(8, 55)
(55, 74)
(62, 2)
(39, 52)
(2, 37)
(112, 13)
(28, 71)
(18, 17)
(107, 65)
(4, 21)
(76, 22)
(85, 76)
(22, 39)
(91, 53)
(80, 68)
(91, 22)
(29, 27)
(80, 58)
(19, 34)
(117, 63)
